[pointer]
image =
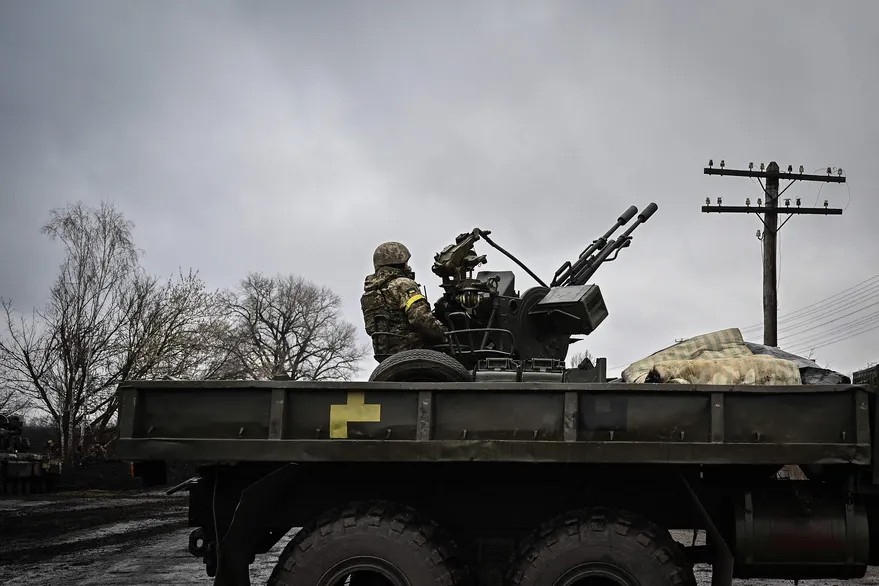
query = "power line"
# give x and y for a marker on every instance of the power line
(834, 334)
(798, 326)
(855, 296)
(834, 341)
(846, 327)
(820, 301)
(841, 327)
(852, 298)
(822, 312)
(840, 317)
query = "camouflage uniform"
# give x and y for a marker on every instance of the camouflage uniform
(396, 314)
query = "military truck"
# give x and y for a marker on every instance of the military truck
(486, 462)
(21, 470)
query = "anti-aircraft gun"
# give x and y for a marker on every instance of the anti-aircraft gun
(487, 318)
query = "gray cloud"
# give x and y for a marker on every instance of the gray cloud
(294, 137)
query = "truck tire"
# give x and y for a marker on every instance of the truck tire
(368, 544)
(421, 366)
(601, 545)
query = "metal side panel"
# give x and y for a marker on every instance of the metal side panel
(500, 421)
(225, 450)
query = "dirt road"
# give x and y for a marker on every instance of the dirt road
(100, 539)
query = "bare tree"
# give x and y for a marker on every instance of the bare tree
(164, 335)
(12, 400)
(106, 321)
(579, 357)
(286, 326)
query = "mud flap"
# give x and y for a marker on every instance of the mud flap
(258, 502)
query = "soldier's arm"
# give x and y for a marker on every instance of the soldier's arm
(418, 310)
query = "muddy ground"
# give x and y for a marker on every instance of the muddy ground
(137, 537)
(101, 538)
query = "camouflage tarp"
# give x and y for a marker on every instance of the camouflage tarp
(741, 370)
(810, 372)
(713, 353)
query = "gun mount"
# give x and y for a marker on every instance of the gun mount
(488, 318)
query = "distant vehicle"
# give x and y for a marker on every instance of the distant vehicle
(21, 470)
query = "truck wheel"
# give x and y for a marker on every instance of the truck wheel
(368, 544)
(420, 366)
(604, 547)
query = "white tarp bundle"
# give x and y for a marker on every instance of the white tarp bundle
(718, 358)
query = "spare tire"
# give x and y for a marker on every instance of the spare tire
(421, 366)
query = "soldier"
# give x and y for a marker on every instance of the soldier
(397, 315)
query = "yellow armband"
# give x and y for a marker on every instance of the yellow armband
(412, 300)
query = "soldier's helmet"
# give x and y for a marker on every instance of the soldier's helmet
(390, 253)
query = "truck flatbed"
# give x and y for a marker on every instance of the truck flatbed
(483, 461)
(279, 421)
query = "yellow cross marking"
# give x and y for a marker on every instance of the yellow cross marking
(354, 410)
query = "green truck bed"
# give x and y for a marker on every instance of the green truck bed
(274, 421)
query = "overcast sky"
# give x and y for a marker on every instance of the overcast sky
(291, 137)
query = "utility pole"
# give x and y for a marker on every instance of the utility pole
(770, 260)
(769, 218)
